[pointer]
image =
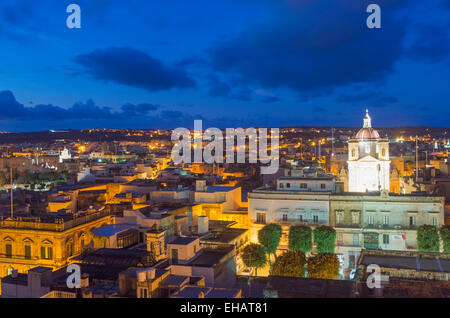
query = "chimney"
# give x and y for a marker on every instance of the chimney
(200, 185)
(203, 225)
(84, 281)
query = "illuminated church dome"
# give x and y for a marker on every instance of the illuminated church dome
(367, 132)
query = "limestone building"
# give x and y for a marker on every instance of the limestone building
(368, 160)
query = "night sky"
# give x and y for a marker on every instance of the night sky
(232, 63)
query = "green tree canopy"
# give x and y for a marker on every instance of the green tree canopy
(270, 236)
(254, 255)
(325, 238)
(445, 237)
(428, 238)
(2, 179)
(290, 263)
(324, 266)
(300, 238)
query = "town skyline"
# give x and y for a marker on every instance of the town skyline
(148, 65)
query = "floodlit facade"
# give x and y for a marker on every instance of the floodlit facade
(368, 160)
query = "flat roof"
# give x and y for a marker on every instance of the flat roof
(111, 229)
(210, 257)
(183, 240)
(417, 263)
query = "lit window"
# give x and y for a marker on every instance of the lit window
(46, 252)
(434, 221)
(8, 250)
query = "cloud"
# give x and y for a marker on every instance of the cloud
(271, 99)
(432, 43)
(171, 114)
(132, 67)
(314, 45)
(140, 109)
(13, 110)
(220, 88)
(318, 109)
(371, 98)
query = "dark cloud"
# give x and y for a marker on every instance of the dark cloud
(13, 110)
(140, 109)
(371, 98)
(318, 109)
(271, 99)
(171, 114)
(220, 88)
(135, 68)
(314, 45)
(432, 43)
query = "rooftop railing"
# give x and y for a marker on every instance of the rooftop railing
(55, 224)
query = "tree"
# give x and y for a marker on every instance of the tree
(254, 255)
(3, 179)
(325, 238)
(269, 236)
(445, 237)
(324, 266)
(428, 238)
(290, 263)
(300, 238)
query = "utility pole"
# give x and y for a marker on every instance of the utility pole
(332, 141)
(12, 199)
(320, 154)
(417, 160)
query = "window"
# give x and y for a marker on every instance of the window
(385, 238)
(316, 219)
(303, 185)
(412, 221)
(355, 218)
(8, 250)
(385, 219)
(434, 221)
(371, 219)
(323, 186)
(356, 239)
(46, 252)
(281, 185)
(300, 218)
(261, 218)
(175, 256)
(383, 152)
(285, 217)
(353, 152)
(69, 249)
(27, 252)
(339, 237)
(288, 185)
(144, 293)
(339, 218)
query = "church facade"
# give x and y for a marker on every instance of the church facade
(368, 160)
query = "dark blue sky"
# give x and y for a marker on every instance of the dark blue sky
(263, 63)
